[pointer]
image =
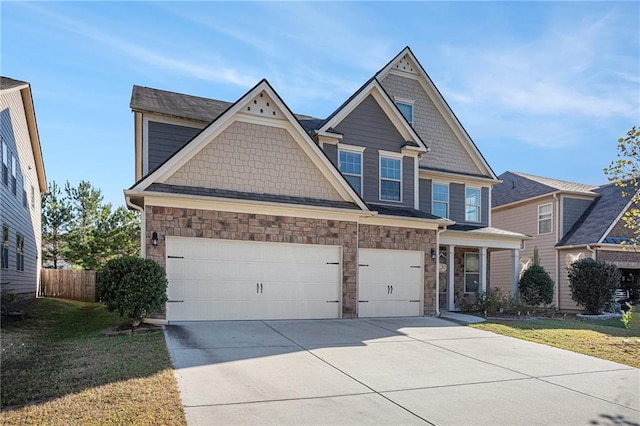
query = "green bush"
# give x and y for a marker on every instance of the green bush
(490, 302)
(592, 284)
(536, 286)
(132, 286)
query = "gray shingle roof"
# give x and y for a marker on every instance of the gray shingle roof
(521, 186)
(238, 195)
(595, 221)
(192, 107)
(401, 211)
(9, 83)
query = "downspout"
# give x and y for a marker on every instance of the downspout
(143, 248)
(557, 256)
(593, 252)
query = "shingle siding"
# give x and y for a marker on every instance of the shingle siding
(165, 140)
(446, 150)
(13, 213)
(368, 126)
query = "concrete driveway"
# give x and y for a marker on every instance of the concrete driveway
(390, 371)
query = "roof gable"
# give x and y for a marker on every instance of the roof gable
(261, 106)
(405, 64)
(376, 91)
(600, 218)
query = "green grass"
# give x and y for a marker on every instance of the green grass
(58, 368)
(603, 339)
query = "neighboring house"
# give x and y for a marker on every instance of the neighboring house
(22, 180)
(381, 209)
(568, 221)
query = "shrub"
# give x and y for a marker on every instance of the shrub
(536, 286)
(592, 284)
(132, 286)
(490, 301)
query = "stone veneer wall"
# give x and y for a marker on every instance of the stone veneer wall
(181, 222)
(386, 237)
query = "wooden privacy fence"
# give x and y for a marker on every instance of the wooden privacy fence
(69, 284)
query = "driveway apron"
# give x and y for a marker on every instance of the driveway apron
(421, 370)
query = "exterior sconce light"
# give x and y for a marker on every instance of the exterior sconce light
(154, 239)
(433, 253)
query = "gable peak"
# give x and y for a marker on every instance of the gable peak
(263, 105)
(406, 64)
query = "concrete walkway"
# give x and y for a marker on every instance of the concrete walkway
(390, 371)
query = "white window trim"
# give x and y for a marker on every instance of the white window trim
(4, 152)
(393, 156)
(479, 189)
(550, 218)
(410, 102)
(448, 195)
(355, 150)
(465, 271)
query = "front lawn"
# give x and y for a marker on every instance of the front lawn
(57, 367)
(603, 339)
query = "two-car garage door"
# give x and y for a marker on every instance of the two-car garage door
(229, 280)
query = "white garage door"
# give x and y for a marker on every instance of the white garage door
(390, 283)
(230, 280)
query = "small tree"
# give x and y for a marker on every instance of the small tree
(132, 286)
(592, 284)
(536, 286)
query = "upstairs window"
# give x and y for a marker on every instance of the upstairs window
(4, 249)
(472, 205)
(406, 109)
(350, 165)
(545, 218)
(5, 164)
(13, 174)
(440, 200)
(390, 179)
(19, 252)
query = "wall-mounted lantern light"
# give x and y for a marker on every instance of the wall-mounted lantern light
(154, 239)
(433, 253)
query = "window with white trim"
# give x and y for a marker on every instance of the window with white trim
(471, 272)
(13, 174)
(545, 218)
(406, 109)
(390, 179)
(440, 199)
(472, 205)
(4, 248)
(33, 197)
(350, 165)
(5, 164)
(19, 252)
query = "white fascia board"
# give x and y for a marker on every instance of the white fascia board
(374, 89)
(162, 199)
(234, 113)
(466, 239)
(402, 222)
(442, 106)
(457, 178)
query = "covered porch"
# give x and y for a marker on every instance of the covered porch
(463, 262)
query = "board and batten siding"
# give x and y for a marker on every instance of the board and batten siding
(572, 209)
(368, 126)
(20, 219)
(165, 140)
(523, 218)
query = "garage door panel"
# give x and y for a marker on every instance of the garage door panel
(222, 279)
(390, 282)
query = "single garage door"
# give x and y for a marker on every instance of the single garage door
(213, 279)
(390, 283)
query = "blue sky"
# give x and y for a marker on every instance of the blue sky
(542, 87)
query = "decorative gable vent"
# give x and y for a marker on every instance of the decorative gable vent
(405, 64)
(262, 105)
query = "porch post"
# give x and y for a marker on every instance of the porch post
(450, 270)
(515, 258)
(483, 269)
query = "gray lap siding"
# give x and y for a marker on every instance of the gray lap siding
(183, 222)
